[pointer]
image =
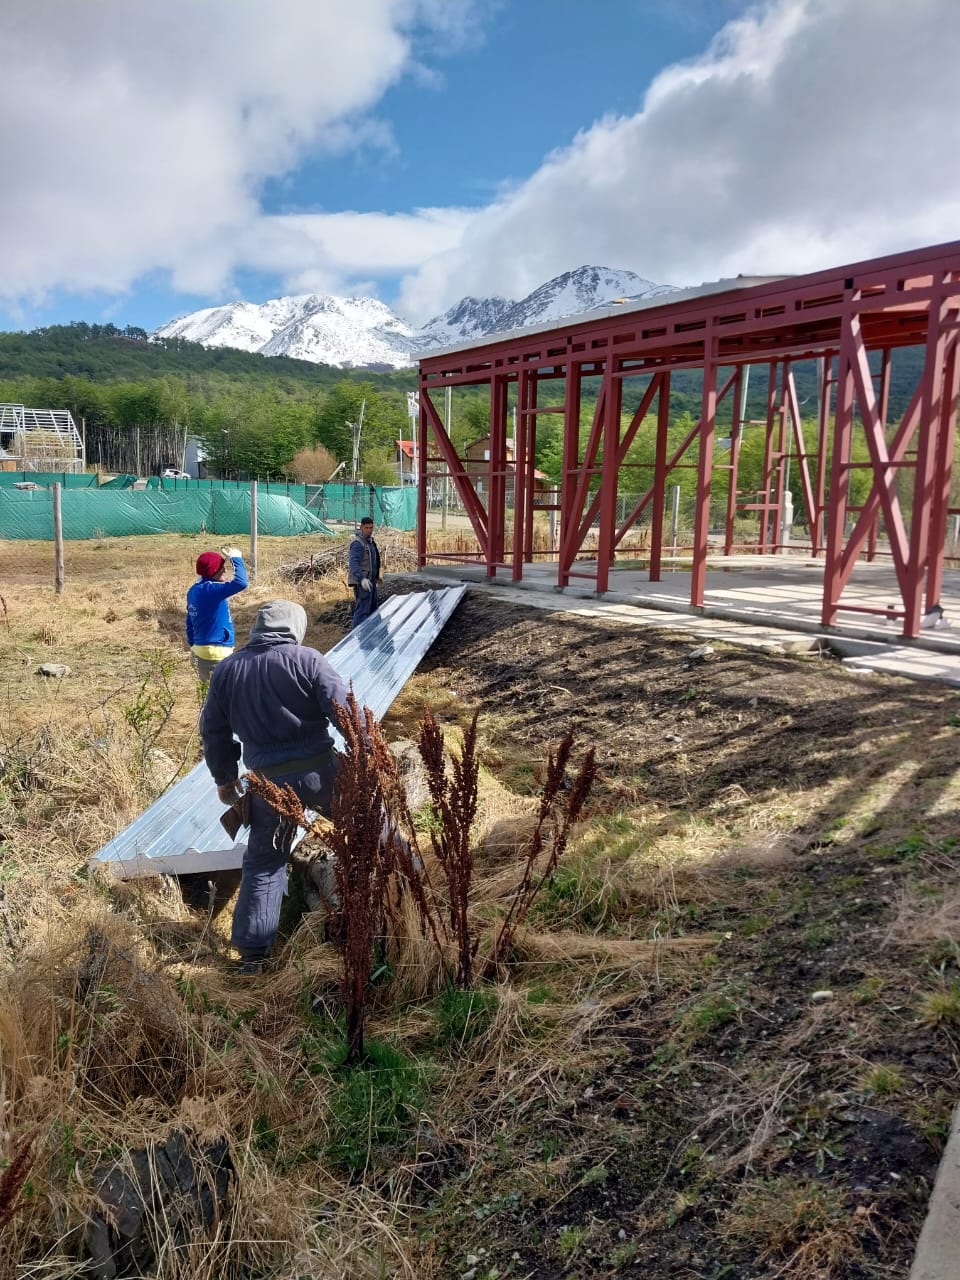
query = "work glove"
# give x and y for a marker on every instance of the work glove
(365, 584)
(229, 792)
(232, 553)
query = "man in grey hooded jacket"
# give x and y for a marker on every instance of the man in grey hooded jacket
(277, 697)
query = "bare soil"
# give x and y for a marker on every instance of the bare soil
(780, 1111)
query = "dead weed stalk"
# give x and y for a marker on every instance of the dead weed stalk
(454, 809)
(14, 1176)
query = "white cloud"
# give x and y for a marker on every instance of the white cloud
(810, 133)
(315, 251)
(136, 135)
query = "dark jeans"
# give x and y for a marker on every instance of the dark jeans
(264, 881)
(364, 603)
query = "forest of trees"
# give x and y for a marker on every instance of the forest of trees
(139, 398)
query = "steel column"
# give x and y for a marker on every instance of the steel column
(736, 428)
(941, 495)
(884, 408)
(606, 541)
(497, 474)
(660, 478)
(708, 421)
(582, 473)
(521, 471)
(530, 478)
(931, 412)
(569, 475)
(823, 431)
(839, 472)
(783, 452)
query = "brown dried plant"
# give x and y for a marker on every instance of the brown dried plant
(559, 809)
(14, 1177)
(454, 810)
(361, 870)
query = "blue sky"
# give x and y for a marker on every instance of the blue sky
(424, 149)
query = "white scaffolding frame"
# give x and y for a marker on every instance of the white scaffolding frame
(41, 439)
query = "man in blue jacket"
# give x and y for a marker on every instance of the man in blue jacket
(278, 697)
(363, 571)
(210, 632)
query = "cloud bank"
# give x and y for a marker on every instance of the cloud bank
(138, 138)
(810, 133)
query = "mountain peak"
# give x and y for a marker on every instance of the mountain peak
(363, 331)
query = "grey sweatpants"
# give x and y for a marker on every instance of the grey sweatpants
(264, 877)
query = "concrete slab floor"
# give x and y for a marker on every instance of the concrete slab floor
(775, 606)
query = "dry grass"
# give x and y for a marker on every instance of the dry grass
(120, 1020)
(803, 1229)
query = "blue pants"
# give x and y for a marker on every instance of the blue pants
(364, 603)
(264, 877)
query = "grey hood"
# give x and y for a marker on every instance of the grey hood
(281, 620)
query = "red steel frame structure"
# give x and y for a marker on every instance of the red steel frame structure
(839, 317)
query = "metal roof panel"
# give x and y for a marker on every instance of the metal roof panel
(181, 832)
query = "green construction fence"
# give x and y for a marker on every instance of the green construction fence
(94, 513)
(391, 505)
(69, 479)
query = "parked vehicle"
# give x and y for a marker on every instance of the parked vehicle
(171, 473)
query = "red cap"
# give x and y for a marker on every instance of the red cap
(209, 564)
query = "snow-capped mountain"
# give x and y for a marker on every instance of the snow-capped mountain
(467, 319)
(575, 292)
(363, 332)
(318, 327)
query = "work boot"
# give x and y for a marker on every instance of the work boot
(251, 963)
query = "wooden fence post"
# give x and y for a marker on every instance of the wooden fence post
(253, 529)
(57, 540)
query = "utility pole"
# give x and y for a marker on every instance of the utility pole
(413, 413)
(357, 428)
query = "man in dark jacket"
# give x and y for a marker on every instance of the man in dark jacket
(278, 697)
(363, 571)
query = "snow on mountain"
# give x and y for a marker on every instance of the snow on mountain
(239, 324)
(364, 332)
(318, 327)
(469, 318)
(574, 292)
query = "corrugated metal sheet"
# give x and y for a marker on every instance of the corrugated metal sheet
(181, 833)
